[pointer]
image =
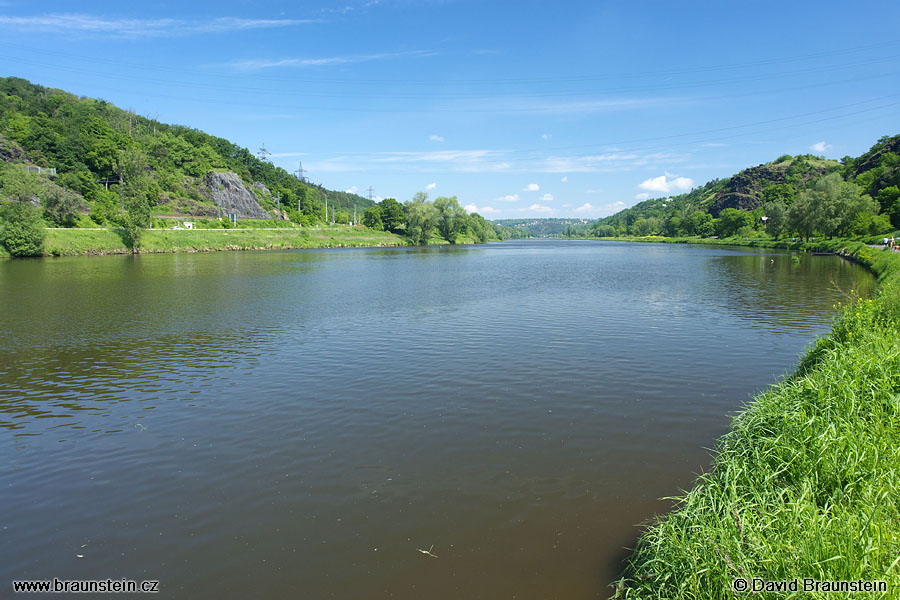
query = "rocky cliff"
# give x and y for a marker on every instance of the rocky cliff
(744, 190)
(231, 196)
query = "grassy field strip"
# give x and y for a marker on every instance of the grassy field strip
(806, 484)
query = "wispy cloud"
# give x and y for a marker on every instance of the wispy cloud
(435, 138)
(491, 161)
(86, 24)
(257, 64)
(565, 179)
(531, 187)
(820, 147)
(585, 208)
(431, 186)
(548, 197)
(509, 198)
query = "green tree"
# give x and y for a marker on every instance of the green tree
(421, 219)
(777, 217)
(889, 199)
(604, 230)
(480, 229)
(372, 218)
(132, 167)
(392, 215)
(731, 220)
(21, 229)
(804, 216)
(451, 218)
(61, 206)
(698, 223)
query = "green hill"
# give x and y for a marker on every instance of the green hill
(58, 147)
(790, 188)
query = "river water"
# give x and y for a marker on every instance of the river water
(308, 424)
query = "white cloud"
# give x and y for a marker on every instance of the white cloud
(820, 147)
(509, 198)
(352, 190)
(546, 136)
(642, 196)
(484, 210)
(435, 138)
(565, 179)
(531, 187)
(138, 28)
(667, 184)
(548, 197)
(538, 208)
(614, 207)
(586, 207)
(431, 186)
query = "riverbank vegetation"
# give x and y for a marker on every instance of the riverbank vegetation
(805, 483)
(84, 163)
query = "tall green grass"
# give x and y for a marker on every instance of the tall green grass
(807, 481)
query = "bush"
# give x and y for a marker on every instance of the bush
(22, 229)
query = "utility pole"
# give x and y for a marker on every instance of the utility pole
(278, 203)
(371, 192)
(263, 154)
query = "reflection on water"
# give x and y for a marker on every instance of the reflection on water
(301, 423)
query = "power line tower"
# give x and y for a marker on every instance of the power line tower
(371, 193)
(263, 154)
(301, 173)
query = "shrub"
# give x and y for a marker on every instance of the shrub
(22, 229)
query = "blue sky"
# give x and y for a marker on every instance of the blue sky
(520, 109)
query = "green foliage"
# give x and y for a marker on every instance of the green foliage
(392, 214)
(731, 220)
(889, 200)
(372, 218)
(421, 219)
(132, 168)
(777, 213)
(21, 229)
(480, 229)
(451, 219)
(61, 206)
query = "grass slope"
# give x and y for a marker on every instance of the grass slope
(806, 484)
(74, 242)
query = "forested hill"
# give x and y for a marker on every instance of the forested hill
(544, 227)
(802, 194)
(84, 140)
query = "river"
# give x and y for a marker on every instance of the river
(448, 422)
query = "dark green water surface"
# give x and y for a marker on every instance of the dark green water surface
(302, 424)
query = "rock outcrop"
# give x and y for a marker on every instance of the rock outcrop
(232, 196)
(10, 150)
(744, 190)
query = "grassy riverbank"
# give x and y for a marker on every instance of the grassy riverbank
(806, 482)
(76, 242)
